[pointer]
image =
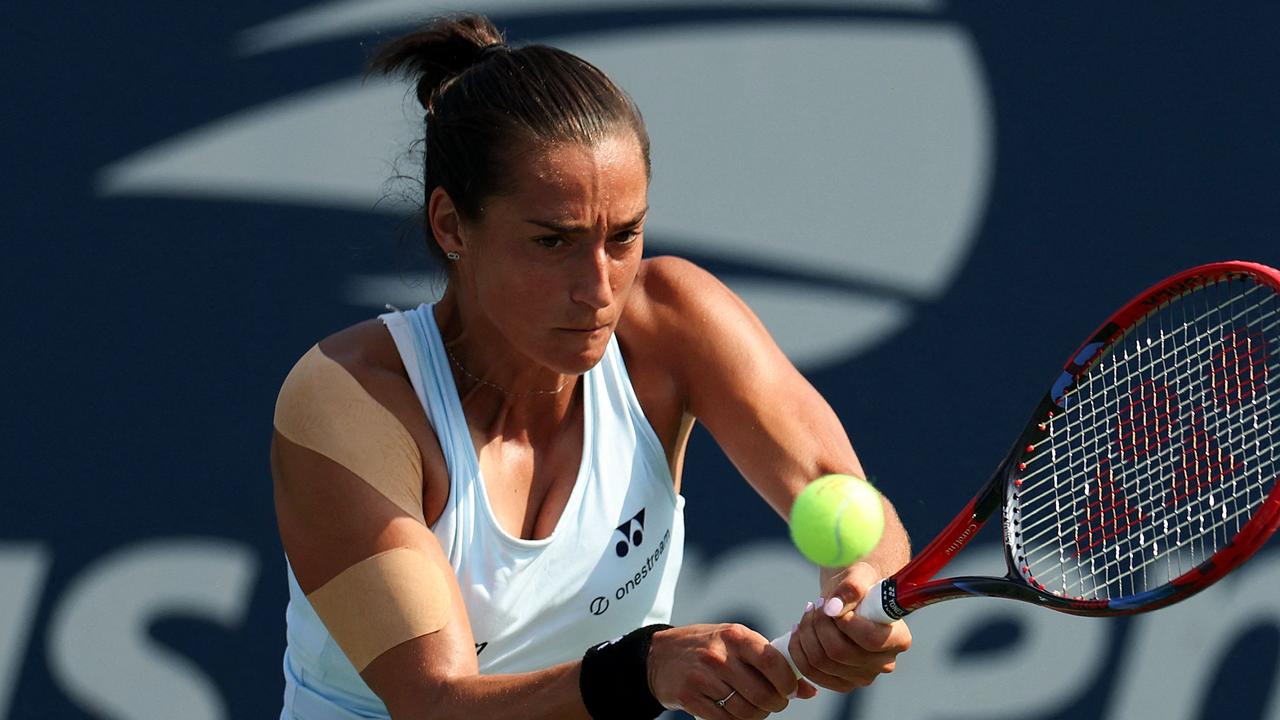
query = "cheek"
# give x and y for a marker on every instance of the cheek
(623, 274)
(518, 297)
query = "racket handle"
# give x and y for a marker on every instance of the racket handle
(781, 644)
(872, 605)
(871, 608)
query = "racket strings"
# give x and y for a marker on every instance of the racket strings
(1178, 338)
(1121, 518)
(1163, 450)
(1170, 551)
(1035, 522)
(1053, 472)
(1102, 411)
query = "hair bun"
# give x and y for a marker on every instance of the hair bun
(440, 51)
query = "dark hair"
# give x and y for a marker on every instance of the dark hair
(484, 99)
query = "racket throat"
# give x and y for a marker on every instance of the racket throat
(928, 562)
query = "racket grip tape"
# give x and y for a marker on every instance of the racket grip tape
(871, 608)
(872, 605)
(781, 644)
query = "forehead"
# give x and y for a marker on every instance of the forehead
(578, 180)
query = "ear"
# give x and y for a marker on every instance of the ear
(446, 223)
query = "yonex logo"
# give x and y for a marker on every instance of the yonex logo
(649, 566)
(632, 532)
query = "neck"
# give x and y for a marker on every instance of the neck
(492, 374)
(494, 386)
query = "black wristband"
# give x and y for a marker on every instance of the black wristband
(614, 679)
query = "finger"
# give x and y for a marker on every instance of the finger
(770, 663)
(837, 646)
(754, 688)
(805, 689)
(853, 586)
(735, 708)
(742, 709)
(706, 709)
(748, 665)
(703, 706)
(812, 644)
(873, 636)
(800, 655)
(699, 694)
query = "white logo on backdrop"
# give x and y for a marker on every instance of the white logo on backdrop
(842, 164)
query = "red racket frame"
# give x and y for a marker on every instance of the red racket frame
(911, 589)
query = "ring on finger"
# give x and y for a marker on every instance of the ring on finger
(720, 703)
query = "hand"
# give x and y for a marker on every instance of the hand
(692, 667)
(841, 651)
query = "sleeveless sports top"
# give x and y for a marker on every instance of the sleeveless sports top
(610, 565)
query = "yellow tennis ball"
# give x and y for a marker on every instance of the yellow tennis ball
(836, 520)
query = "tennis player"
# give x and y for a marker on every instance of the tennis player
(479, 499)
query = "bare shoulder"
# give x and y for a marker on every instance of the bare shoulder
(364, 349)
(678, 307)
(682, 330)
(672, 296)
(367, 352)
(662, 292)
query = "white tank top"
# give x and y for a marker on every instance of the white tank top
(610, 565)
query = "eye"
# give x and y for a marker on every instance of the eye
(627, 236)
(550, 241)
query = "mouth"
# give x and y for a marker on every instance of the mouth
(585, 330)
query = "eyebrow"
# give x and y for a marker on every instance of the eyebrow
(570, 229)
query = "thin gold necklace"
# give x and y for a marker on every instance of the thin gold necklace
(484, 382)
(499, 388)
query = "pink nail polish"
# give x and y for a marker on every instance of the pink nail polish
(795, 627)
(808, 606)
(821, 601)
(834, 607)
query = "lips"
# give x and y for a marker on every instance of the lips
(587, 329)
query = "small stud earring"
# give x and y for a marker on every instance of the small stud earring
(452, 255)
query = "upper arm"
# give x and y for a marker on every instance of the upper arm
(348, 487)
(771, 422)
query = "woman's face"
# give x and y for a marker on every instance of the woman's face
(550, 266)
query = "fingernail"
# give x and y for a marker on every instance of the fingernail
(808, 606)
(821, 601)
(793, 695)
(795, 627)
(834, 607)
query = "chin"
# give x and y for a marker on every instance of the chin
(578, 363)
(580, 353)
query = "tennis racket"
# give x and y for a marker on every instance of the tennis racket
(1147, 472)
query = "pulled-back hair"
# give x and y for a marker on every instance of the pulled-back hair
(485, 99)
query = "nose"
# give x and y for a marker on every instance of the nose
(592, 285)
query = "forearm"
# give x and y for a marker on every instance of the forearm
(551, 693)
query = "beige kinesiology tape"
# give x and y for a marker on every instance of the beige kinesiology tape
(382, 601)
(324, 409)
(396, 595)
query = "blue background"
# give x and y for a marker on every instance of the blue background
(148, 335)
